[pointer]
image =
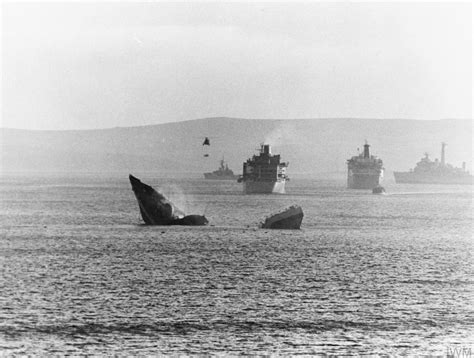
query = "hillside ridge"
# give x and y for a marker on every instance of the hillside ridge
(312, 146)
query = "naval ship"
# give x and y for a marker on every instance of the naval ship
(364, 171)
(428, 171)
(223, 173)
(264, 173)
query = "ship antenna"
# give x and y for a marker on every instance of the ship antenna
(443, 144)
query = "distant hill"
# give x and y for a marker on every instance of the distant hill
(314, 147)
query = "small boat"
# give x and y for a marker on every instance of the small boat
(289, 218)
(378, 190)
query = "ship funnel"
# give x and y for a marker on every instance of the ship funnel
(366, 150)
(265, 149)
(443, 144)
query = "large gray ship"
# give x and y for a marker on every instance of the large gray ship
(264, 173)
(428, 171)
(364, 171)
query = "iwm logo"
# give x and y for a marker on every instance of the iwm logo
(460, 352)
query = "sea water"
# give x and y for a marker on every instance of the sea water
(366, 274)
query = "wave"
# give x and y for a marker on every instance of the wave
(180, 328)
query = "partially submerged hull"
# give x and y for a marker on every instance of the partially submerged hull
(264, 187)
(290, 218)
(155, 209)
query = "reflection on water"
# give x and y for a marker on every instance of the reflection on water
(366, 274)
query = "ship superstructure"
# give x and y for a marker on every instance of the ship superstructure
(222, 173)
(264, 173)
(429, 171)
(364, 171)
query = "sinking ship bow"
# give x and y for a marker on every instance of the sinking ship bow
(155, 209)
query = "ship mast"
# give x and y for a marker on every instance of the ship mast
(443, 144)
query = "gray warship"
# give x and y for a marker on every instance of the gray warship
(364, 171)
(222, 173)
(428, 171)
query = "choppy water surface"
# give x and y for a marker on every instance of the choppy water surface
(367, 274)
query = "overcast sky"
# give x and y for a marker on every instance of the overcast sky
(99, 65)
